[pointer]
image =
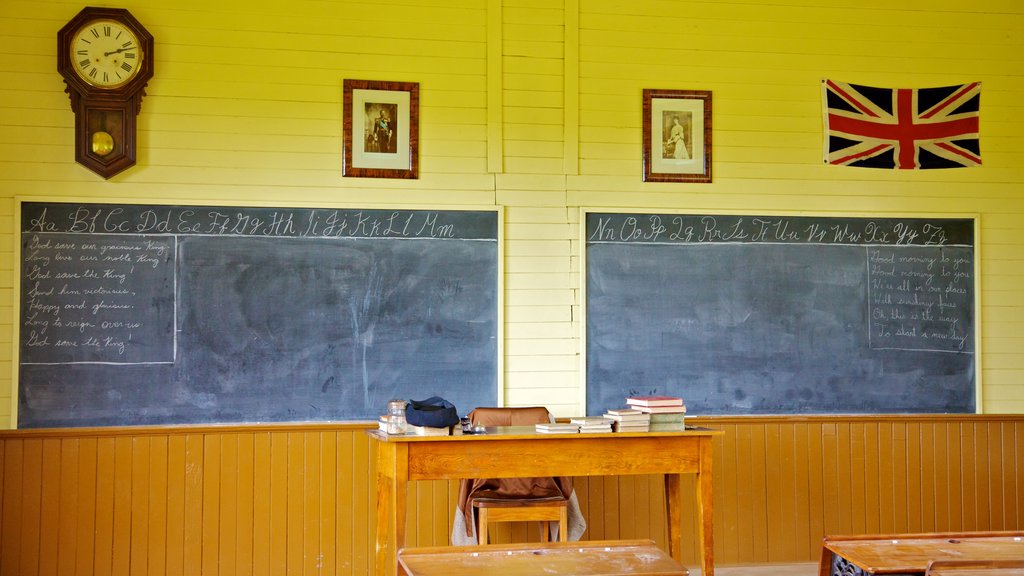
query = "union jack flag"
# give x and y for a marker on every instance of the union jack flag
(901, 128)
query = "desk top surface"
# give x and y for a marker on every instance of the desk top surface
(607, 558)
(912, 552)
(529, 432)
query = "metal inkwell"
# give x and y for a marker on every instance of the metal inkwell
(469, 428)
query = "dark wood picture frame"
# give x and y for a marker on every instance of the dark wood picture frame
(381, 129)
(677, 135)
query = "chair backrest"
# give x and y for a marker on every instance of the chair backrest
(527, 416)
(975, 567)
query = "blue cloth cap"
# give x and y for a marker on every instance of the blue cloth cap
(435, 412)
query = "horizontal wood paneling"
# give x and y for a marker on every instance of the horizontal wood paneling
(301, 498)
(246, 107)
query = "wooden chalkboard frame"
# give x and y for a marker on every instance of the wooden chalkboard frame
(974, 218)
(496, 212)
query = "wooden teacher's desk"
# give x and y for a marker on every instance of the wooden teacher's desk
(522, 452)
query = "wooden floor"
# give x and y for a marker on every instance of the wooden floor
(809, 569)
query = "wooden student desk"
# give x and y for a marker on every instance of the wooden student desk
(516, 452)
(596, 558)
(911, 553)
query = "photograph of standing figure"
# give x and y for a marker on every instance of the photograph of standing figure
(676, 139)
(380, 132)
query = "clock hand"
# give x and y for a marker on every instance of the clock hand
(118, 51)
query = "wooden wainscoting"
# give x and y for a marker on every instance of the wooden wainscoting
(299, 499)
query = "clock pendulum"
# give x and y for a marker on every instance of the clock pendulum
(102, 141)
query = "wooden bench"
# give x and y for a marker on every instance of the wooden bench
(598, 558)
(911, 553)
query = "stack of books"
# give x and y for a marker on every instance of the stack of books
(628, 420)
(593, 424)
(668, 413)
(558, 428)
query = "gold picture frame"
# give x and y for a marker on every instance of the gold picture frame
(677, 135)
(381, 129)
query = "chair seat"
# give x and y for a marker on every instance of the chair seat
(550, 502)
(549, 509)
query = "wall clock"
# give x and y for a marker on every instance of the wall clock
(106, 59)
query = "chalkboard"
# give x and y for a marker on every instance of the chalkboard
(781, 314)
(146, 314)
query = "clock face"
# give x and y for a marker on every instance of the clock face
(106, 53)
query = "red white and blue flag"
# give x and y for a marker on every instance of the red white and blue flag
(902, 128)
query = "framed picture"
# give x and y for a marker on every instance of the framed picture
(677, 135)
(381, 129)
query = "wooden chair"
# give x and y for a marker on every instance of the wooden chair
(541, 500)
(975, 568)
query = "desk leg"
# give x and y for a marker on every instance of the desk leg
(705, 510)
(392, 480)
(673, 503)
(385, 502)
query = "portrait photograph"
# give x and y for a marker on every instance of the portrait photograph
(381, 129)
(677, 135)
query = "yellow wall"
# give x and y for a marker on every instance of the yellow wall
(535, 106)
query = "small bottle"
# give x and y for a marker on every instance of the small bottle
(396, 417)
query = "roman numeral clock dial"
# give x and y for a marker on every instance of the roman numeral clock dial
(106, 58)
(107, 53)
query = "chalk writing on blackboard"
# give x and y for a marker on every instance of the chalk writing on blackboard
(82, 303)
(278, 222)
(697, 229)
(920, 300)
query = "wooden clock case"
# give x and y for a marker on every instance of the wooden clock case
(110, 110)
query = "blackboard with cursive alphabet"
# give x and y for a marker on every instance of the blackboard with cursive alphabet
(781, 314)
(147, 314)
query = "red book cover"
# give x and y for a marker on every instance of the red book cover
(662, 409)
(654, 401)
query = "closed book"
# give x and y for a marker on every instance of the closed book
(654, 401)
(622, 412)
(662, 409)
(644, 418)
(557, 427)
(623, 427)
(668, 418)
(573, 430)
(426, 431)
(670, 427)
(594, 424)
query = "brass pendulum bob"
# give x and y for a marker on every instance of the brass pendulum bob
(102, 141)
